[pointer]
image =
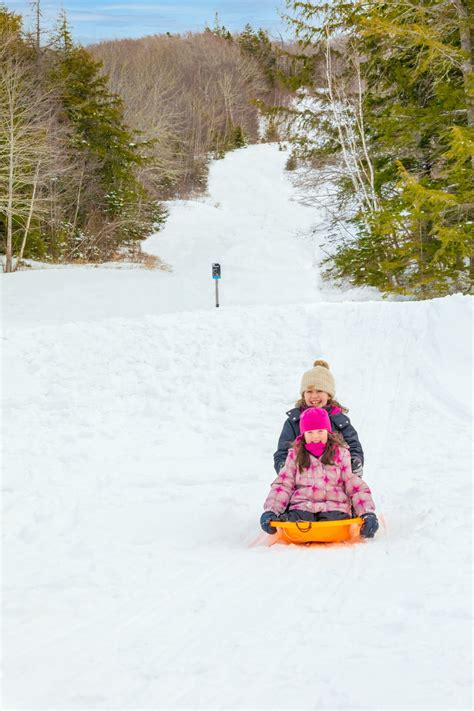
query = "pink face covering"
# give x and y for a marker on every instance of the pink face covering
(316, 448)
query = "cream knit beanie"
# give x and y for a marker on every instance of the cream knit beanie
(318, 378)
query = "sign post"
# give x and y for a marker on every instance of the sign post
(216, 275)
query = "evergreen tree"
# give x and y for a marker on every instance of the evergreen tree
(70, 182)
(10, 23)
(99, 137)
(220, 30)
(259, 46)
(404, 124)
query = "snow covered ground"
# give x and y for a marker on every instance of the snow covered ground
(139, 423)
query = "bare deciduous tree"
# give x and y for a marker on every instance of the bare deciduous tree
(26, 160)
(185, 94)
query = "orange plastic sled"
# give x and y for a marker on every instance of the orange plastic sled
(319, 531)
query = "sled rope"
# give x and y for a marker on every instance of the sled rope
(302, 529)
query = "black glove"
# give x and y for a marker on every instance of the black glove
(370, 525)
(357, 467)
(265, 519)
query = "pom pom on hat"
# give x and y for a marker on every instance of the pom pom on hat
(322, 363)
(319, 378)
(315, 418)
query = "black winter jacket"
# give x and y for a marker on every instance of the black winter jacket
(291, 429)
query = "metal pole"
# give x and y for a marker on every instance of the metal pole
(217, 292)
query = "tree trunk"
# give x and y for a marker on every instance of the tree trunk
(38, 26)
(11, 158)
(467, 71)
(466, 46)
(30, 215)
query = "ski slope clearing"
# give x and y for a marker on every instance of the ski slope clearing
(139, 423)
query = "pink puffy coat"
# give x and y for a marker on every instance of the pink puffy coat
(320, 488)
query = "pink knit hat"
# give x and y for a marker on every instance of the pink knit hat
(315, 418)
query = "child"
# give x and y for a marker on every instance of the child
(318, 390)
(316, 482)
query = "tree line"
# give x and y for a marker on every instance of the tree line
(93, 140)
(70, 184)
(193, 96)
(386, 113)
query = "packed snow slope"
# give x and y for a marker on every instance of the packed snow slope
(139, 423)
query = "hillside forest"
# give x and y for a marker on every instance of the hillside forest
(93, 140)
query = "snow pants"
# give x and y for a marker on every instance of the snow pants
(296, 515)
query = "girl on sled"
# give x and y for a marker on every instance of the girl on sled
(318, 390)
(317, 482)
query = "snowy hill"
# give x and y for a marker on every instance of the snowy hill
(139, 424)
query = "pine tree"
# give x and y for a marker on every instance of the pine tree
(220, 30)
(411, 141)
(110, 150)
(259, 46)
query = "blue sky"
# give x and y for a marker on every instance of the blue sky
(94, 20)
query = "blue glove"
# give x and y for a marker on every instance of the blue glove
(265, 519)
(370, 525)
(357, 467)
